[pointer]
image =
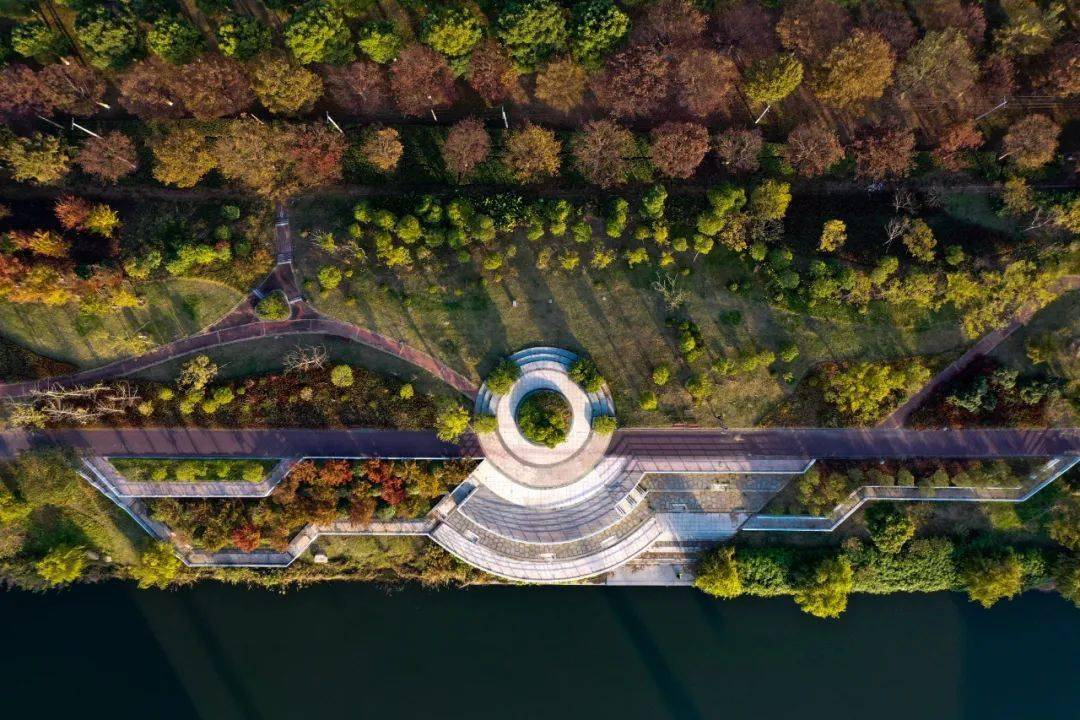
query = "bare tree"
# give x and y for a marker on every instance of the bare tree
(303, 359)
(668, 286)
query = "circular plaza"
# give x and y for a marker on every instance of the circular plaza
(546, 462)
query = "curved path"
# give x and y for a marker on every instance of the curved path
(241, 325)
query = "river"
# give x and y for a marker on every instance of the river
(356, 651)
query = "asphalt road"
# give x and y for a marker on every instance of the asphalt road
(677, 442)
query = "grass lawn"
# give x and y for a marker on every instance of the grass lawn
(614, 315)
(1056, 328)
(265, 355)
(174, 308)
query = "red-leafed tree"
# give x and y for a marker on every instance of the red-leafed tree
(146, 90)
(954, 141)
(358, 88)
(635, 82)
(72, 88)
(746, 30)
(811, 28)
(677, 149)
(939, 15)
(669, 22)
(491, 72)
(882, 153)
(20, 93)
(890, 20)
(704, 81)
(245, 537)
(316, 152)
(109, 157)
(813, 148)
(603, 151)
(738, 149)
(213, 86)
(71, 211)
(335, 473)
(467, 145)
(421, 80)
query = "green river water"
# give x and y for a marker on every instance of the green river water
(357, 651)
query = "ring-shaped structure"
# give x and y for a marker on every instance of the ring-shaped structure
(532, 474)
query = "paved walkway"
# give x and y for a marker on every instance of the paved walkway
(197, 442)
(671, 450)
(983, 347)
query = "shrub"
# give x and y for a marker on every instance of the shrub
(718, 574)
(649, 401)
(544, 418)
(584, 372)
(660, 375)
(157, 566)
(503, 376)
(485, 424)
(604, 424)
(341, 376)
(62, 565)
(329, 277)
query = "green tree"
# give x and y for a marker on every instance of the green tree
(35, 39)
(889, 527)
(318, 33)
(772, 79)
(1030, 29)
(174, 40)
(770, 200)
(282, 87)
(341, 376)
(39, 159)
(452, 31)
(596, 28)
(1067, 578)
(833, 236)
(992, 576)
(451, 421)
(532, 30)
(62, 565)
(157, 567)
(919, 240)
(1064, 524)
(242, 38)
(820, 491)
(864, 391)
(718, 574)
(379, 42)
(824, 592)
(109, 34)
